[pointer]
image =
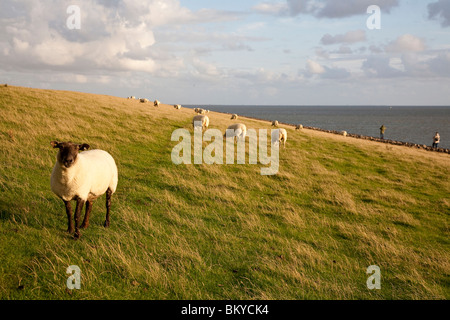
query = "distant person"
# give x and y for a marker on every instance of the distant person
(382, 130)
(436, 140)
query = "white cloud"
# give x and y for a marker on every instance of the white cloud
(314, 68)
(406, 43)
(380, 67)
(114, 35)
(271, 8)
(349, 37)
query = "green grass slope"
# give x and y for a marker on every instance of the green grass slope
(337, 206)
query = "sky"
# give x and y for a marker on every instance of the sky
(247, 52)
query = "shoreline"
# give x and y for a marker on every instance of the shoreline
(354, 135)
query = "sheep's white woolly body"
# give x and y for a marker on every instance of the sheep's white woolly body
(202, 120)
(279, 135)
(237, 130)
(89, 177)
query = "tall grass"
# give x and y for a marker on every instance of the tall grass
(337, 206)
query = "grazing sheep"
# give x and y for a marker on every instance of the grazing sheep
(298, 127)
(204, 121)
(156, 103)
(83, 177)
(275, 123)
(131, 97)
(177, 106)
(239, 131)
(234, 117)
(143, 100)
(278, 136)
(344, 133)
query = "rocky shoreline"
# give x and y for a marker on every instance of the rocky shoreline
(387, 141)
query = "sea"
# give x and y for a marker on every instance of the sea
(415, 124)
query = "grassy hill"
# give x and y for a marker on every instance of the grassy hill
(337, 206)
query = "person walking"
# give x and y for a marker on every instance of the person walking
(436, 140)
(382, 130)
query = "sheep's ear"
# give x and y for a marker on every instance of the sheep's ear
(55, 144)
(83, 147)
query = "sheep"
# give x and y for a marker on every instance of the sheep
(275, 123)
(143, 100)
(279, 135)
(298, 127)
(82, 177)
(156, 103)
(177, 106)
(234, 117)
(196, 110)
(204, 121)
(344, 133)
(131, 97)
(239, 131)
(201, 111)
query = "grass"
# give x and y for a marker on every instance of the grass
(337, 206)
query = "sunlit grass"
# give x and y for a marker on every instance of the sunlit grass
(337, 206)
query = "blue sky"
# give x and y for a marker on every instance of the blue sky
(292, 52)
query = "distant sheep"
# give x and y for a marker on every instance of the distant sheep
(156, 103)
(298, 127)
(177, 106)
(202, 111)
(234, 117)
(83, 177)
(344, 133)
(131, 97)
(203, 120)
(278, 136)
(275, 123)
(239, 131)
(196, 110)
(143, 100)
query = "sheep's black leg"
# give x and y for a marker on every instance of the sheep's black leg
(85, 223)
(78, 209)
(69, 216)
(108, 207)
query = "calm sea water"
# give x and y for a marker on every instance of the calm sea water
(403, 123)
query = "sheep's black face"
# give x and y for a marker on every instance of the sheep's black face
(68, 152)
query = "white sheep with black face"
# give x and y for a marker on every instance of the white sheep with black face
(234, 117)
(83, 177)
(177, 106)
(156, 103)
(275, 123)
